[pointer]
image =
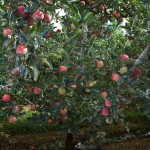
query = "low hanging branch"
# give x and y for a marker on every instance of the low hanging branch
(143, 56)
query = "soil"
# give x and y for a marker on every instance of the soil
(134, 144)
(49, 141)
(28, 142)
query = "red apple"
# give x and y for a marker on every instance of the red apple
(33, 107)
(21, 50)
(82, 2)
(63, 69)
(21, 12)
(116, 14)
(104, 94)
(37, 90)
(63, 111)
(47, 18)
(47, 1)
(115, 77)
(103, 7)
(99, 64)
(12, 119)
(125, 57)
(16, 109)
(108, 103)
(7, 32)
(38, 15)
(53, 139)
(105, 112)
(137, 73)
(51, 121)
(52, 106)
(6, 98)
(73, 86)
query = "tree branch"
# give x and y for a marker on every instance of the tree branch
(143, 55)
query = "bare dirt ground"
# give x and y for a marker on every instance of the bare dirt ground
(134, 144)
(27, 142)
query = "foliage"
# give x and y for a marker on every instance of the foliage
(90, 32)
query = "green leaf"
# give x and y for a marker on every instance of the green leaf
(88, 17)
(49, 64)
(74, 21)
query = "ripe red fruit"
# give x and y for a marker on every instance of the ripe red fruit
(73, 86)
(33, 107)
(53, 139)
(21, 50)
(99, 64)
(12, 119)
(105, 112)
(103, 7)
(116, 14)
(51, 121)
(6, 98)
(7, 32)
(16, 109)
(37, 90)
(63, 111)
(38, 15)
(47, 1)
(63, 69)
(104, 94)
(115, 77)
(21, 12)
(82, 2)
(125, 57)
(47, 18)
(137, 73)
(108, 103)
(52, 106)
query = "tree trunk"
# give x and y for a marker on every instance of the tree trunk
(69, 144)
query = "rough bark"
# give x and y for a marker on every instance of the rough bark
(69, 144)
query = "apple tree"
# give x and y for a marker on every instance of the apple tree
(74, 61)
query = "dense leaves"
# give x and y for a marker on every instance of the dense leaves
(90, 40)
